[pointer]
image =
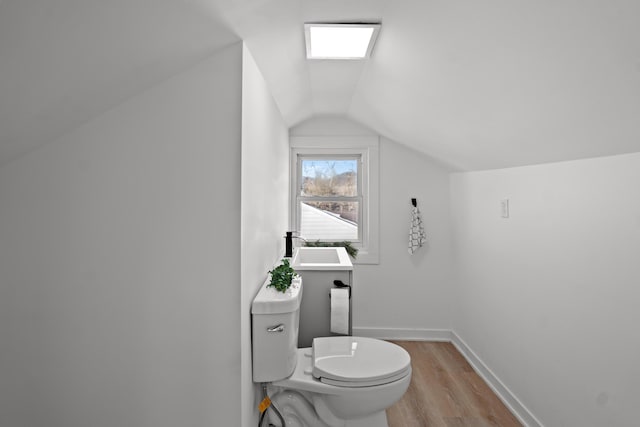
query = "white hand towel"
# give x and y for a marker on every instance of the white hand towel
(417, 236)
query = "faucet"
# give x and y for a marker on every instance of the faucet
(288, 251)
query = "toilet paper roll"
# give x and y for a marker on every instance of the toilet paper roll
(340, 311)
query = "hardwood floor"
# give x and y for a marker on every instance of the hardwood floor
(445, 391)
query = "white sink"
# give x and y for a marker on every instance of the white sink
(305, 258)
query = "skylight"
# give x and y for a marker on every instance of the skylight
(340, 41)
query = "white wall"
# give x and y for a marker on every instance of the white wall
(548, 298)
(265, 204)
(120, 263)
(404, 295)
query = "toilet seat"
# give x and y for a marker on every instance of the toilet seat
(358, 361)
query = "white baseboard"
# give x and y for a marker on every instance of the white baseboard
(504, 394)
(414, 334)
(408, 334)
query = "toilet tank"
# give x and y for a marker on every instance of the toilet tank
(274, 331)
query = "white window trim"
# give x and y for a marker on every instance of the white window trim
(368, 148)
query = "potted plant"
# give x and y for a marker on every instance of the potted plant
(353, 252)
(281, 276)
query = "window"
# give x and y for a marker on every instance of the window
(334, 191)
(329, 197)
(340, 40)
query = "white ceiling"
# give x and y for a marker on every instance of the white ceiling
(474, 84)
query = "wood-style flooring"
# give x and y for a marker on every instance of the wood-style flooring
(445, 391)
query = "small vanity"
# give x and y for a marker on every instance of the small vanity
(319, 268)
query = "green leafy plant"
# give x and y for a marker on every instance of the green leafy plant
(281, 276)
(353, 252)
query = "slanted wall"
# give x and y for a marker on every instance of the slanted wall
(120, 263)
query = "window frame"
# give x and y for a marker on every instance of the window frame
(367, 148)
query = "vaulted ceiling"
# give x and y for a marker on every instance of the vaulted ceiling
(475, 84)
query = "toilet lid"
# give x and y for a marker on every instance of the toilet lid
(358, 361)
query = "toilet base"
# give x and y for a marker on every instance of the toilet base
(298, 411)
(379, 419)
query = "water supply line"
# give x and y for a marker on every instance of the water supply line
(270, 405)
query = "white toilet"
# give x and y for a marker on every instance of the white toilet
(340, 381)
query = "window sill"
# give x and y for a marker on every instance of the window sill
(365, 257)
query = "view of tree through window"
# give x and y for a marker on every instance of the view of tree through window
(327, 178)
